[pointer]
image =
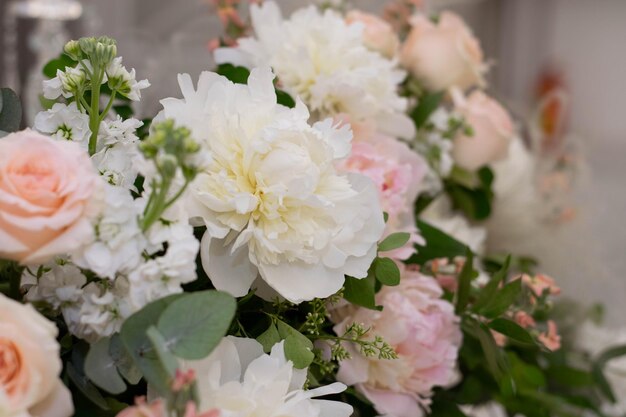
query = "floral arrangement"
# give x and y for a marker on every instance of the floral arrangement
(300, 234)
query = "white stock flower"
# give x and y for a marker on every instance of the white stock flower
(119, 241)
(115, 164)
(64, 122)
(59, 285)
(320, 58)
(119, 130)
(125, 81)
(60, 85)
(271, 199)
(241, 381)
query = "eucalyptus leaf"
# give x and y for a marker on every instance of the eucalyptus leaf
(285, 331)
(394, 241)
(161, 349)
(298, 352)
(269, 338)
(138, 345)
(193, 325)
(101, 369)
(386, 271)
(85, 386)
(124, 362)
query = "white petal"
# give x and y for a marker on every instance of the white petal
(229, 271)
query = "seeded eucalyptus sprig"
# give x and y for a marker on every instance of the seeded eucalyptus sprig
(171, 149)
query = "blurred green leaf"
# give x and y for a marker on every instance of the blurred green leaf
(193, 325)
(59, 63)
(269, 338)
(236, 74)
(101, 369)
(502, 300)
(298, 352)
(428, 103)
(438, 245)
(394, 241)
(361, 292)
(511, 330)
(486, 295)
(386, 271)
(465, 278)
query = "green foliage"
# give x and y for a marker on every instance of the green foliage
(10, 111)
(438, 245)
(428, 103)
(59, 63)
(465, 282)
(361, 292)
(194, 325)
(386, 271)
(471, 193)
(393, 241)
(511, 330)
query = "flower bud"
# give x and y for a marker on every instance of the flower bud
(72, 49)
(167, 164)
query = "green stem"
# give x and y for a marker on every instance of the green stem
(177, 196)
(108, 107)
(94, 113)
(153, 212)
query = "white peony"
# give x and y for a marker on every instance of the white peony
(64, 122)
(320, 58)
(270, 197)
(241, 381)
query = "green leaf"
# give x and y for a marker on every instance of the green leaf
(487, 293)
(394, 241)
(285, 99)
(161, 349)
(503, 299)
(234, 73)
(445, 409)
(387, 272)
(496, 362)
(193, 325)
(361, 292)
(101, 369)
(570, 377)
(298, 347)
(598, 369)
(269, 338)
(297, 352)
(465, 282)
(59, 63)
(512, 330)
(438, 245)
(426, 106)
(124, 362)
(138, 345)
(10, 111)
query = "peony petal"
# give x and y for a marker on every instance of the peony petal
(228, 271)
(391, 403)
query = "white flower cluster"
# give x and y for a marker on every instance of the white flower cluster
(271, 199)
(324, 61)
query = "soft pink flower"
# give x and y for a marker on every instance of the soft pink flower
(46, 197)
(541, 283)
(524, 319)
(492, 131)
(141, 408)
(425, 333)
(499, 338)
(30, 364)
(378, 35)
(397, 172)
(551, 339)
(444, 54)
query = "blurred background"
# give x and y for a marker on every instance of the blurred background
(579, 44)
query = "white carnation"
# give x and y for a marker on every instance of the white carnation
(241, 381)
(65, 122)
(270, 197)
(320, 58)
(119, 241)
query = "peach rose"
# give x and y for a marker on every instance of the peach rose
(492, 131)
(444, 54)
(30, 364)
(46, 190)
(378, 35)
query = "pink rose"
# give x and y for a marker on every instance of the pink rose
(378, 35)
(397, 172)
(46, 190)
(30, 364)
(425, 334)
(492, 131)
(444, 54)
